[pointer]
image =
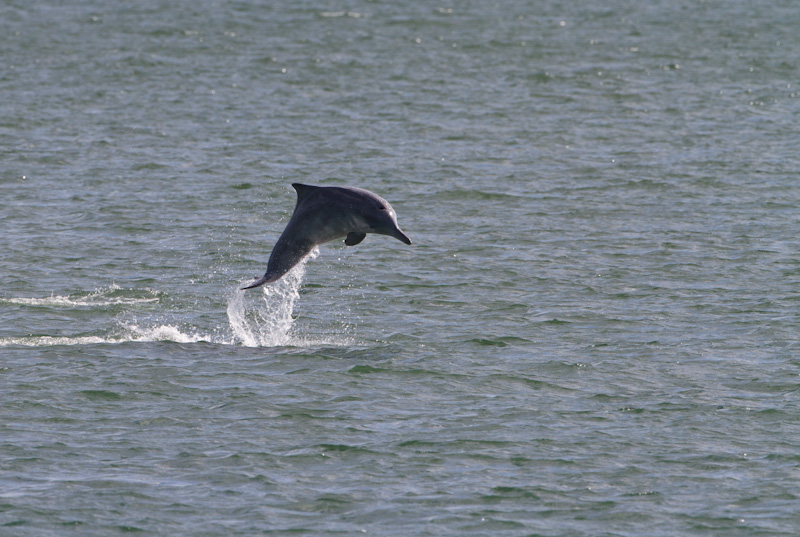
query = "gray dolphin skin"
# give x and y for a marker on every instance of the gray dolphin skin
(326, 213)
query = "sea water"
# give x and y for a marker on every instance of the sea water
(594, 332)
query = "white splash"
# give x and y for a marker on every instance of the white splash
(268, 324)
(161, 332)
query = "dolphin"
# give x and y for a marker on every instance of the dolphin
(326, 213)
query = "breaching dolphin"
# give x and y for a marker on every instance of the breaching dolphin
(326, 213)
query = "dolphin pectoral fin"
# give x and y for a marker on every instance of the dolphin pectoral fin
(354, 237)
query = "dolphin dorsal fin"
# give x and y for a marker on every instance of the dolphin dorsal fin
(303, 191)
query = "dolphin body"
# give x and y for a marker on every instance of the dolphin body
(326, 213)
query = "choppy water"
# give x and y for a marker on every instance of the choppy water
(594, 333)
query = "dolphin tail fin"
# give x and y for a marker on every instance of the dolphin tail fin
(259, 282)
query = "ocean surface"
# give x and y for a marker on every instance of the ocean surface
(596, 331)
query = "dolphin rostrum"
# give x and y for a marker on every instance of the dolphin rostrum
(326, 213)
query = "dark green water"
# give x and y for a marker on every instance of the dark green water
(595, 332)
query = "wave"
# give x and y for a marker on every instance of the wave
(253, 320)
(47, 341)
(126, 332)
(155, 333)
(112, 295)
